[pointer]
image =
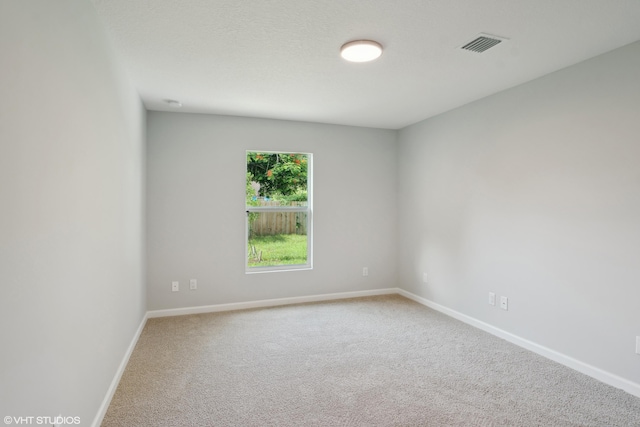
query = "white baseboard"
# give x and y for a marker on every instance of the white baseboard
(267, 303)
(116, 379)
(592, 371)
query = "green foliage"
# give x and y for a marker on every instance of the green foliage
(251, 199)
(298, 196)
(280, 249)
(250, 190)
(281, 176)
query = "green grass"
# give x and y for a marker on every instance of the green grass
(281, 249)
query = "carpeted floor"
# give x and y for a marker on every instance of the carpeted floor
(378, 361)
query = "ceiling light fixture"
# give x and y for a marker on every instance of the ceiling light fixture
(361, 50)
(173, 103)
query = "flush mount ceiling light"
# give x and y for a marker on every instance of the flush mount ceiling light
(173, 103)
(361, 50)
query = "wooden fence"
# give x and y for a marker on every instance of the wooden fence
(272, 223)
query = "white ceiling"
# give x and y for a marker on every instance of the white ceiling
(280, 58)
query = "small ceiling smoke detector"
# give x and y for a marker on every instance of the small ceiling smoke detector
(483, 42)
(173, 103)
(361, 50)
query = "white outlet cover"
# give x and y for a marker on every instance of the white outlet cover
(504, 303)
(365, 271)
(193, 284)
(424, 277)
(175, 286)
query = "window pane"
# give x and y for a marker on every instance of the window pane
(277, 179)
(277, 238)
(278, 196)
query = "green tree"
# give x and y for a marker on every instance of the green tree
(280, 175)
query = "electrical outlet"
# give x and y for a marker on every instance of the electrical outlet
(424, 277)
(504, 303)
(365, 271)
(638, 345)
(193, 284)
(492, 298)
(175, 286)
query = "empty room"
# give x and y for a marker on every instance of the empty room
(320, 213)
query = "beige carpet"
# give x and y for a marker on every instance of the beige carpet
(379, 361)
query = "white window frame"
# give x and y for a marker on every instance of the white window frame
(308, 209)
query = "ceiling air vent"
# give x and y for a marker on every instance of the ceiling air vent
(482, 43)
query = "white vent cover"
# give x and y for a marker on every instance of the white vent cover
(482, 43)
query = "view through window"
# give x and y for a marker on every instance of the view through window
(278, 208)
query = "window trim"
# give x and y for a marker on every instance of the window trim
(308, 209)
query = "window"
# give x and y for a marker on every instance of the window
(278, 210)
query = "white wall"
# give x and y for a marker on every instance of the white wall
(534, 193)
(196, 215)
(71, 216)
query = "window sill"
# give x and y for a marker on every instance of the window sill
(260, 270)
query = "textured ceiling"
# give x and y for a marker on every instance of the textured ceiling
(280, 58)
